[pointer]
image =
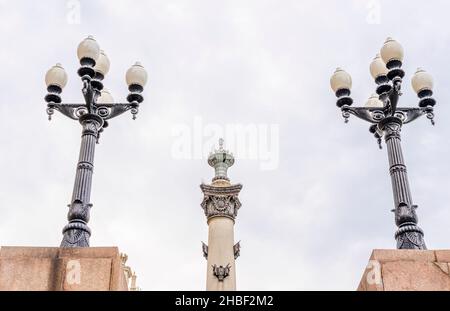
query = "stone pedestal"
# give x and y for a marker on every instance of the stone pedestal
(407, 270)
(61, 269)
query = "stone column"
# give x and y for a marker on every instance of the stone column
(76, 232)
(220, 204)
(408, 235)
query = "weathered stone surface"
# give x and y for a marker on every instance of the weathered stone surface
(443, 266)
(94, 274)
(442, 255)
(414, 275)
(69, 269)
(41, 252)
(372, 279)
(35, 273)
(407, 270)
(385, 255)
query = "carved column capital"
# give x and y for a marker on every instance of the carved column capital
(221, 201)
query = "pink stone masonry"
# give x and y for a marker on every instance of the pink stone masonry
(61, 269)
(407, 270)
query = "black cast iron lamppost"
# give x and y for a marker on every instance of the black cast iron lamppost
(387, 120)
(93, 116)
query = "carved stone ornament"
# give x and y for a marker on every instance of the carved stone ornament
(221, 201)
(221, 272)
(237, 249)
(123, 258)
(205, 250)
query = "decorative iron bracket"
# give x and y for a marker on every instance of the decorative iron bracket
(375, 115)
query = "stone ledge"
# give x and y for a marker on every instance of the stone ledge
(386, 255)
(53, 252)
(407, 270)
(66, 269)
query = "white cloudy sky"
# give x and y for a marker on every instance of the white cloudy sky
(311, 222)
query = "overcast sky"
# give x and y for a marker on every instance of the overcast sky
(308, 222)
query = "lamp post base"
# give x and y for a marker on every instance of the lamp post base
(76, 234)
(410, 236)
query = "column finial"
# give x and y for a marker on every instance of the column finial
(221, 159)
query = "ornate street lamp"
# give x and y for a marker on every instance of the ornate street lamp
(93, 116)
(387, 120)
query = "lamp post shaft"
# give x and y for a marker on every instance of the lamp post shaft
(408, 235)
(76, 233)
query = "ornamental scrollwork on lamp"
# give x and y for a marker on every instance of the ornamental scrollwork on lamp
(75, 111)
